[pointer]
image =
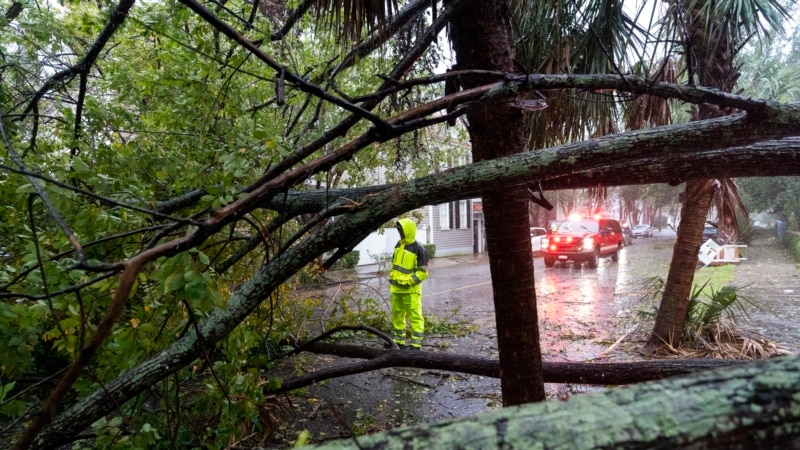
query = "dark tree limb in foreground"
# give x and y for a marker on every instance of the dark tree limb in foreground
(613, 373)
(756, 405)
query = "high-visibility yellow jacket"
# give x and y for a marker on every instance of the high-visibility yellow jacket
(409, 262)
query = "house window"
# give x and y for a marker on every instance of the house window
(463, 215)
(454, 215)
(444, 216)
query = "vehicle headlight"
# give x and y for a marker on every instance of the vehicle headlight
(588, 242)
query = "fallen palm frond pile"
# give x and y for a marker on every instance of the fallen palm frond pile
(724, 341)
(711, 329)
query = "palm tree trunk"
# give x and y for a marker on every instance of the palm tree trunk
(481, 39)
(710, 56)
(671, 316)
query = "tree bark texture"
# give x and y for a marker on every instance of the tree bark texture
(747, 407)
(772, 158)
(481, 39)
(599, 373)
(710, 55)
(671, 316)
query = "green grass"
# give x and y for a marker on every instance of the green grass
(716, 277)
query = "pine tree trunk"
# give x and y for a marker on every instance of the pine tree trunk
(480, 35)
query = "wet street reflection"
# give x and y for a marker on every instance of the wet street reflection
(575, 304)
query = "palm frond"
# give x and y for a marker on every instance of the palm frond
(350, 18)
(572, 37)
(714, 308)
(760, 18)
(730, 208)
(646, 110)
(770, 73)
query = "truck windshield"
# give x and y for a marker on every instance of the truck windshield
(579, 227)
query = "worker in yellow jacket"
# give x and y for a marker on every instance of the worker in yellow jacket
(409, 270)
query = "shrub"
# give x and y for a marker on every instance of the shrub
(794, 238)
(350, 259)
(710, 307)
(430, 249)
(746, 234)
(791, 240)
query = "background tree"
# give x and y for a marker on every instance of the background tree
(773, 71)
(710, 36)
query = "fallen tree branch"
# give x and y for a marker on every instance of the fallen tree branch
(615, 373)
(775, 158)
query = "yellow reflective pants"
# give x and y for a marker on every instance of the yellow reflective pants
(407, 306)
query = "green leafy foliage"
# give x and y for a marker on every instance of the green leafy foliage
(778, 195)
(792, 242)
(350, 259)
(712, 303)
(165, 112)
(449, 325)
(715, 306)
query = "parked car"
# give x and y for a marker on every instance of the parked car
(536, 238)
(710, 231)
(581, 240)
(642, 230)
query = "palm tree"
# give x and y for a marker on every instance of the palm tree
(590, 37)
(550, 37)
(710, 35)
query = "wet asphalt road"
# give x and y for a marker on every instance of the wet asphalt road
(581, 311)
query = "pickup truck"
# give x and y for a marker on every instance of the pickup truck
(584, 240)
